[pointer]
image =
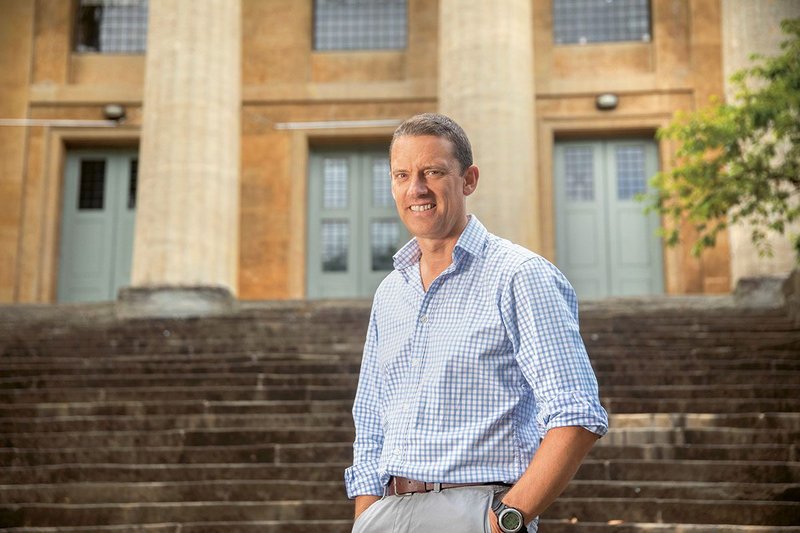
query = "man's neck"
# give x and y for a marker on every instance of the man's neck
(437, 255)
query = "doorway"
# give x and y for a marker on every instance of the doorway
(605, 244)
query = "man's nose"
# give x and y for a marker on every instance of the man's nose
(419, 186)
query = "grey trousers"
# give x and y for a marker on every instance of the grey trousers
(459, 510)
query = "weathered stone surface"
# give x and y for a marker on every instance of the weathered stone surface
(236, 422)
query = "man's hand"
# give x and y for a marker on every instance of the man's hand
(493, 522)
(363, 503)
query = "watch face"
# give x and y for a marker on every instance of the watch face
(510, 520)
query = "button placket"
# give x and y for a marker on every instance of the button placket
(418, 349)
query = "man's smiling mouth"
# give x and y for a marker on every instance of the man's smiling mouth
(420, 208)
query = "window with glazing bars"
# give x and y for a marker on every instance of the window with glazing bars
(599, 21)
(111, 26)
(359, 24)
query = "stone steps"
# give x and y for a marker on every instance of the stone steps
(338, 452)
(713, 471)
(325, 392)
(242, 422)
(700, 405)
(344, 526)
(677, 511)
(173, 491)
(147, 408)
(261, 380)
(720, 354)
(301, 433)
(166, 472)
(220, 393)
(750, 512)
(61, 424)
(221, 455)
(570, 526)
(694, 452)
(53, 514)
(688, 490)
(592, 469)
(120, 421)
(272, 490)
(207, 406)
(183, 437)
(237, 526)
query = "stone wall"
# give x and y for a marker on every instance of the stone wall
(285, 82)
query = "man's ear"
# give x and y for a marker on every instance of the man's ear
(471, 176)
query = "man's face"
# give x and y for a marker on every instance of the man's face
(429, 186)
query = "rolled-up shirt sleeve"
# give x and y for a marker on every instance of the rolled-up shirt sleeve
(363, 478)
(549, 349)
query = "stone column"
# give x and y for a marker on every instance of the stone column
(486, 85)
(187, 217)
(749, 28)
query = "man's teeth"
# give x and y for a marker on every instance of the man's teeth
(419, 208)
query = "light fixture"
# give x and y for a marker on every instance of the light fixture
(114, 112)
(606, 101)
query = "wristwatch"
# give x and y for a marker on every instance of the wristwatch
(509, 519)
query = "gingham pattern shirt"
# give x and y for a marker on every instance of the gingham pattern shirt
(459, 384)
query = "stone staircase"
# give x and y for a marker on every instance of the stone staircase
(241, 423)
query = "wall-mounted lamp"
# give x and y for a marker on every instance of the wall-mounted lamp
(114, 112)
(606, 102)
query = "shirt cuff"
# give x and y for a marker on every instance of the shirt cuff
(363, 480)
(574, 408)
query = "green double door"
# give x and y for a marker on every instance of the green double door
(353, 229)
(97, 223)
(605, 244)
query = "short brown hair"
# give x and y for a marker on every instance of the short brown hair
(438, 126)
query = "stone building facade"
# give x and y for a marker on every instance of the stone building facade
(252, 152)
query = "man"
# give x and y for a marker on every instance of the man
(476, 402)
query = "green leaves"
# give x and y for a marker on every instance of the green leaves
(738, 161)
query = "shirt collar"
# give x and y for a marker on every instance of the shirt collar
(472, 241)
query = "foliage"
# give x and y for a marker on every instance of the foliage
(739, 161)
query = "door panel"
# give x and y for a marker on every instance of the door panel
(382, 232)
(635, 252)
(606, 245)
(333, 212)
(353, 225)
(97, 226)
(128, 170)
(580, 205)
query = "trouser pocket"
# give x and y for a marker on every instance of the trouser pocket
(495, 496)
(366, 517)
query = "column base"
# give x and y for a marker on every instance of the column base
(776, 290)
(173, 301)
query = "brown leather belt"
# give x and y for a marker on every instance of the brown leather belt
(399, 486)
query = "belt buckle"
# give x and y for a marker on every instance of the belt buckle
(437, 487)
(397, 492)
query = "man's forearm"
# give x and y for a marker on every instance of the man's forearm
(560, 454)
(362, 502)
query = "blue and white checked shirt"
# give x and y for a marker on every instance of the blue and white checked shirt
(459, 384)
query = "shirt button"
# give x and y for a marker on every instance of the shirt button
(423, 318)
(397, 452)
